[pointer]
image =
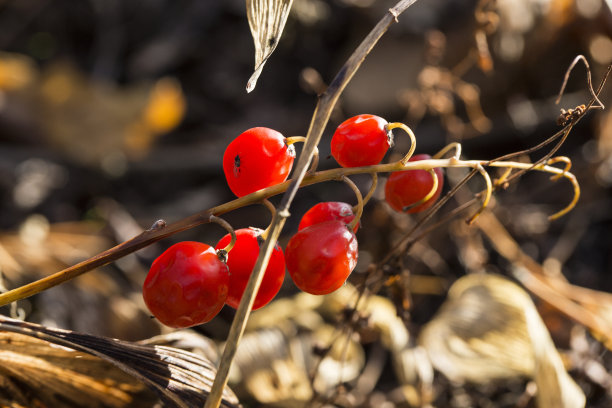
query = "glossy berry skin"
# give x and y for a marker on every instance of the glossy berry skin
(241, 260)
(256, 159)
(405, 188)
(321, 257)
(187, 285)
(328, 211)
(361, 141)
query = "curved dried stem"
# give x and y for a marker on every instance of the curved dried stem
(370, 191)
(566, 174)
(589, 82)
(160, 230)
(555, 172)
(502, 180)
(406, 241)
(563, 159)
(574, 201)
(266, 203)
(447, 148)
(487, 195)
(226, 225)
(359, 210)
(428, 196)
(390, 126)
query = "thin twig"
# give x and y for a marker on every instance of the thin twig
(589, 81)
(160, 230)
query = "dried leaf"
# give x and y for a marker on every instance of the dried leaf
(56, 375)
(490, 329)
(267, 19)
(180, 378)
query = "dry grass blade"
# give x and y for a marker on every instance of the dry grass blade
(36, 373)
(180, 378)
(267, 19)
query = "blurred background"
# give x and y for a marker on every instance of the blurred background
(114, 114)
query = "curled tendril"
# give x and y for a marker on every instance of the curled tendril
(562, 159)
(447, 148)
(359, 210)
(390, 126)
(430, 194)
(502, 179)
(572, 204)
(370, 191)
(266, 203)
(589, 81)
(226, 225)
(488, 193)
(564, 173)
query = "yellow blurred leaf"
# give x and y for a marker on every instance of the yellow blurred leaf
(16, 71)
(166, 106)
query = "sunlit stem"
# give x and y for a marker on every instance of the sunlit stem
(16, 312)
(272, 210)
(228, 228)
(160, 230)
(502, 179)
(447, 148)
(371, 191)
(395, 125)
(315, 157)
(563, 159)
(359, 210)
(589, 81)
(431, 193)
(488, 192)
(572, 204)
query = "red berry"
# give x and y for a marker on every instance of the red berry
(407, 187)
(256, 159)
(361, 141)
(328, 211)
(187, 285)
(241, 260)
(321, 257)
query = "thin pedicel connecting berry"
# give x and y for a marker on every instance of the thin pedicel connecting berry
(241, 260)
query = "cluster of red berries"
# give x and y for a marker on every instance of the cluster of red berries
(363, 140)
(190, 282)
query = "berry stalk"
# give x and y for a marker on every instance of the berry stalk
(160, 230)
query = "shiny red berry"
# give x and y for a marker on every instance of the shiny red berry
(328, 211)
(321, 257)
(187, 285)
(256, 159)
(241, 260)
(405, 188)
(361, 141)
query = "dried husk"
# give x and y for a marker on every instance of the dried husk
(489, 329)
(98, 371)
